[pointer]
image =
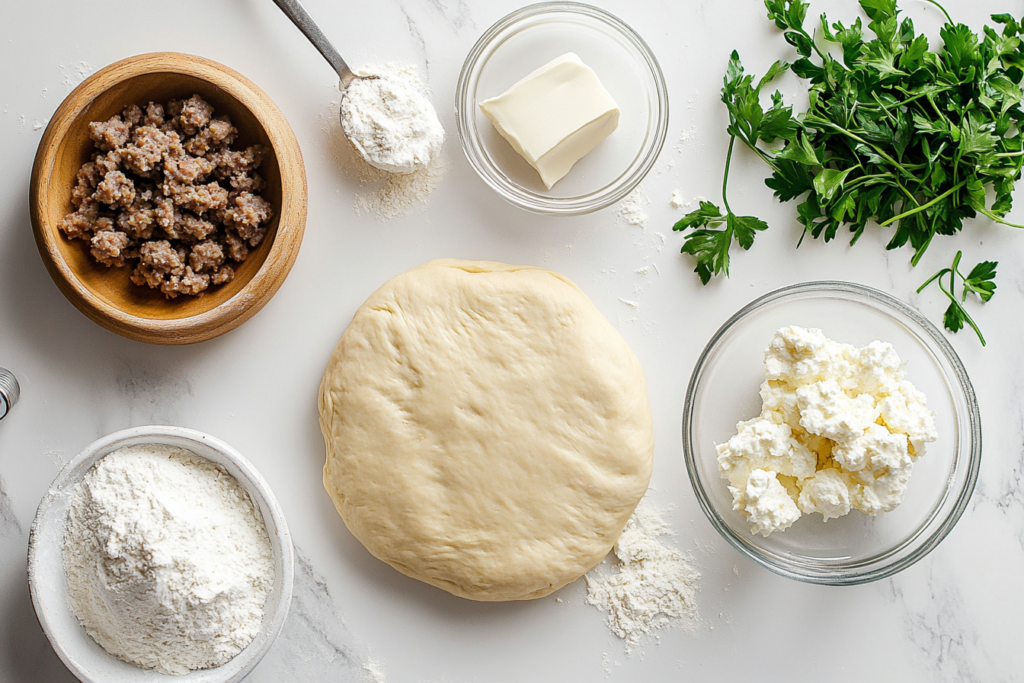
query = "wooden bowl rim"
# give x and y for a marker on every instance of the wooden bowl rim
(245, 303)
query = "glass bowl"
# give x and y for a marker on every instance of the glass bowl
(526, 40)
(857, 548)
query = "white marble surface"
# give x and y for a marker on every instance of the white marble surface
(956, 616)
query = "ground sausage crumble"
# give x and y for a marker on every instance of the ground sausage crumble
(165, 194)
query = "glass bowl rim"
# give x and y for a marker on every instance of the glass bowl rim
(605, 196)
(868, 570)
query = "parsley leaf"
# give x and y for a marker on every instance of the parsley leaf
(711, 247)
(980, 281)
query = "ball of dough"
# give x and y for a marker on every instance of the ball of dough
(487, 430)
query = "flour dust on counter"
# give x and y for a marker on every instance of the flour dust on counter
(375, 671)
(678, 201)
(73, 74)
(390, 195)
(686, 137)
(649, 586)
(153, 394)
(631, 209)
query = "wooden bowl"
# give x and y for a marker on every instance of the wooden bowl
(107, 295)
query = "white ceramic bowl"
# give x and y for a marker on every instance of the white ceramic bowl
(49, 586)
(856, 548)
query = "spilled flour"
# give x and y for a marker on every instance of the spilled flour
(390, 195)
(651, 585)
(374, 671)
(631, 209)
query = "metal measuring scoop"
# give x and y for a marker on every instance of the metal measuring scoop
(297, 13)
(300, 17)
(9, 392)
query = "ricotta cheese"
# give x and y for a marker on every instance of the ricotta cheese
(840, 429)
(765, 502)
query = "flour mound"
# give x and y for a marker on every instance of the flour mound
(168, 560)
(389, 119)
(652, 586)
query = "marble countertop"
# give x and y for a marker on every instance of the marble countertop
(955, 616)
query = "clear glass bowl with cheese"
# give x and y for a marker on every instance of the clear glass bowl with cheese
(855, 548)
(605, 160)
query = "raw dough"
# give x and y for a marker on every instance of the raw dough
(487, 429)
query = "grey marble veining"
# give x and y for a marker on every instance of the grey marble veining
(1007, 493)
(457, 14)
(9, 524)
(152, 394)
(938, 625)
(315, 644)
(424, 19)
(418, 39)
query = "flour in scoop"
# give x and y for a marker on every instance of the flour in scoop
(390, 121)
(168, 560)
(651, 586)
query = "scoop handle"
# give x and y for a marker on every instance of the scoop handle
(300, 17)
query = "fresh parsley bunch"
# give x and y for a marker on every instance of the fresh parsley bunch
(895, 133)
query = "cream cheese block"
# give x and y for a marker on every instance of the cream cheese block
(554, 116)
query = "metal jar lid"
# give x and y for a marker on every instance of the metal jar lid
(9, 392)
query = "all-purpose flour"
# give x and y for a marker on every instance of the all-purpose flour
(168, 561)
(651, 586)
(390, 121)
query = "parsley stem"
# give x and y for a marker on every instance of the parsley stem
(920, 250)
(949, 20)
(929, 204)
(725, 180)
(916, 97)
(960, 308)
(870, 179)
(885, 109)
(997, 219)
(931, 101)
(905, 191)
(956, 266)
(932, 279)
(956, 306)
(956, 269)
(817, 120)
(765, 157)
